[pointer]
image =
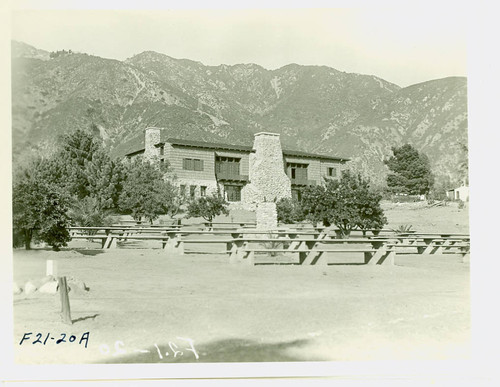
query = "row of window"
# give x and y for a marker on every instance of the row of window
(192, 164)
(231, 166)
(192, 190)
(231, 192)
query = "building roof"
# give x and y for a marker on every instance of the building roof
(296, 153)
(210, 145)
(240, 148)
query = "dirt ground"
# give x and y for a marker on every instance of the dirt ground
(144, 304)
(421, 216)
(424, 218)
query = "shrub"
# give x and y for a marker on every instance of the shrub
(402, 229)
(289, 211)
(207, 207)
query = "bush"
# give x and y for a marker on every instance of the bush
(405, 198)
(402, 229)
(289, 211)
(207, 207)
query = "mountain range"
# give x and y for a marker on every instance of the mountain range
(314, 108)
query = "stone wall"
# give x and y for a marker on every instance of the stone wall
(266, 216)
(151, 138)
(267, 178)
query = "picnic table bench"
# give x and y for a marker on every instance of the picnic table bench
(178, 239)
(313, 251)
(311, 246)
(432, 243)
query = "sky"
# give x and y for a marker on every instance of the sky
(402, 45)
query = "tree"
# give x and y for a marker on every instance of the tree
(105, 179)
(39, 208)
(146, 193)
(83, 168)
(88, 212)
(78, 150)
(348, 203)
(207, 207)
(289, 211)
(411, 171)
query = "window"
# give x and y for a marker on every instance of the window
(203, 191)
(183, 190)
(297, 171)
(233, 193)
(162, 150)
(227, 166)
(296, 194)
(332, 172)
(192, 164)
(192, 191)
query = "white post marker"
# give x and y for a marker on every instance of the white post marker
(51, 267)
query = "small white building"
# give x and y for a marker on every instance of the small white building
(460, 193)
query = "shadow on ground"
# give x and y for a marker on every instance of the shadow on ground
(85, 318)
(90, 252)
(229, 350)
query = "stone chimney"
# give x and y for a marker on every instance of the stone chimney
(268, 180)
(151, 138)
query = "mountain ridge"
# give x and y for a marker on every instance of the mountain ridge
(314, 108)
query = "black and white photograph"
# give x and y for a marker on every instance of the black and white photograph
(239, 185)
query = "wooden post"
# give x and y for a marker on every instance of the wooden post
(51, 268)
(65, 309)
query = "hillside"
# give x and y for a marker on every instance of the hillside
(315, 108)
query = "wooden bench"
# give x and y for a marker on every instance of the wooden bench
(320, 256)
(178, 246)
(312, 251)
(105, 239)
(434, 246)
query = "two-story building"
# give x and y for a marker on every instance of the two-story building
(246, 174)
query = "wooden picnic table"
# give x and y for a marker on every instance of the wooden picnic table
(310, 244)
(436, 234)
(314, 251)
(431, 243)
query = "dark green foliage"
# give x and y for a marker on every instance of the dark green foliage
(77, 150)
(145, 192)
(411, 171)
(207, 207)
(348, 203)
(40, 209)
(83, 168)
(89, 212)
(105, 179)
(289, 211)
